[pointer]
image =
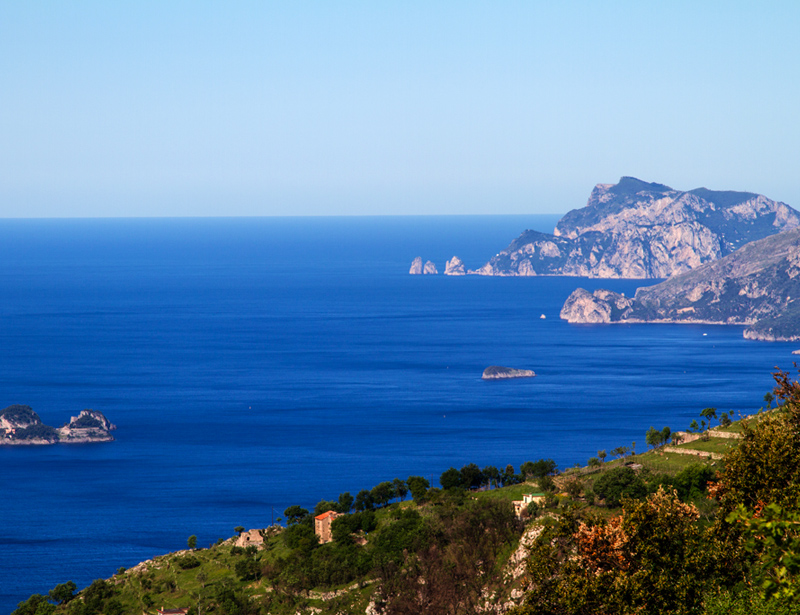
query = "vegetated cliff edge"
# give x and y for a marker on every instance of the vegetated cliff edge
(758, 285)
(20, 425)
(636, 229)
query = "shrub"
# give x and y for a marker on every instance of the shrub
(187, 561)
(618, 483)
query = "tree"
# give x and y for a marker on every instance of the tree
(769, 398)
(656, 438)
(602, 455)
(509, 477)
(364, 501)
(382, 493)
(192, 542)
(295, 514)
(573, 487)
(471, 476)
(419, 487)
(709, 413)
(620, 451)
(693, 427)
(63, 592)
(35, 605)
(653, 437)
(538, 469)
(618, 483)
(593, 462)
(400, 488)
(345, 502)
(725, 420)
(547, 484)
(491, 475)
(450, 479)
(324, 506)
(239, 529)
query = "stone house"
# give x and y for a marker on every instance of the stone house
(322, 525)
(527, 498)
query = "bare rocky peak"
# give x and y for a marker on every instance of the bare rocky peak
(637, 229)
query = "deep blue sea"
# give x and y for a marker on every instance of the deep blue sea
(251, 364)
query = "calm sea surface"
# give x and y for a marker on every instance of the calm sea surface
(251, 364)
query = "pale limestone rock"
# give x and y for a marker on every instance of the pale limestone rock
(429, 268)
(455, 267)
(598, 307)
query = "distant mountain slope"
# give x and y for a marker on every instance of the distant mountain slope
(758, 285)
(636, 229)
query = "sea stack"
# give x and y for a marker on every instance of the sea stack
(416, 266)
(455, 267)
(430, 268)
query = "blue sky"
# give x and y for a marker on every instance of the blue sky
(197, 108)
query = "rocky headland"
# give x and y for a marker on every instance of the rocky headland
(758, 285)
(20, 425)
(636, 229)
(496, 372)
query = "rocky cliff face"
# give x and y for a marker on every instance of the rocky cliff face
(758, 285)
(636, 229)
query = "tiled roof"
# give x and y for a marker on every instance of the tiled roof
(327, 514)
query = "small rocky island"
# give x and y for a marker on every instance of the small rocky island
(495, 372)
(20, 425)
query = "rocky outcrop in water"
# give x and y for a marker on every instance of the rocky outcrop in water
(455, 267)
(20, 425)
(758, 285)
(636, 229)
(417, 268)
(496, 372)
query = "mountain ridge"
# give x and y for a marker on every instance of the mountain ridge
(638, 229)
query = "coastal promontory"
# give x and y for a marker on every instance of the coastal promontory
(758, 285)
(20, 425)
(637, 229)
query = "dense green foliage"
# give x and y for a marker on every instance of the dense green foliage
(38, 431)
(19, 413)
(86, 421)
